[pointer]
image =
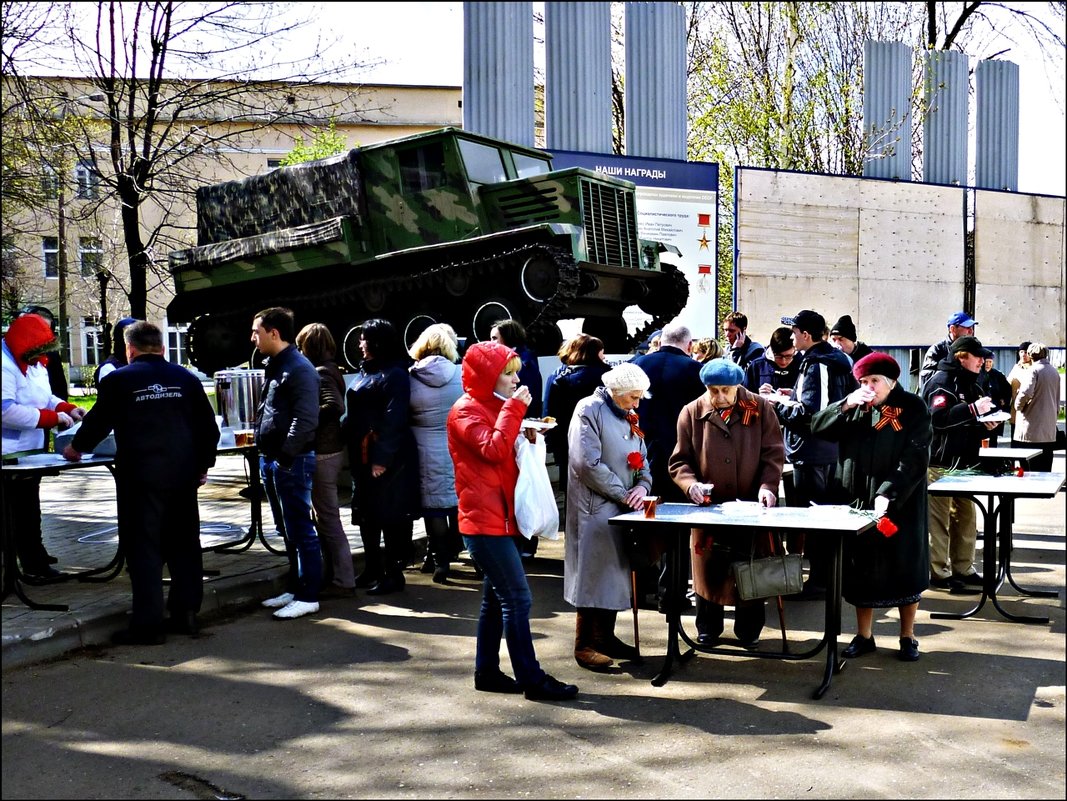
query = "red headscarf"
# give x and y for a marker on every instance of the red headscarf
(28, 338)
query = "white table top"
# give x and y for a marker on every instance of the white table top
(1022, 454)
(38, 462)
(1029, 485)
(750, 513)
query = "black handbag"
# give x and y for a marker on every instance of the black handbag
(768, 576)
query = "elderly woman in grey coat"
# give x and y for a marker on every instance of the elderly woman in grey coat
(607, 474)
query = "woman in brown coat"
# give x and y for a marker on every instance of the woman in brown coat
(729, 448)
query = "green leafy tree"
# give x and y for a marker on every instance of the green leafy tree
(324, 142)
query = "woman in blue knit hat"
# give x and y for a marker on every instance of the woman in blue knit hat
(729, 448)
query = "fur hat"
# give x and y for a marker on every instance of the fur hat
(876, 363)
(627, 377)
(721, 373)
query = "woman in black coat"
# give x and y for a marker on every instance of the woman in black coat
(382, 456)
(883, 435)
(576, 378)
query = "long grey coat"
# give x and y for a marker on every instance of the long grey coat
(596, 570)
(435, 386)
(1037, 403)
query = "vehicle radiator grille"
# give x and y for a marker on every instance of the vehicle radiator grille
(610, 224)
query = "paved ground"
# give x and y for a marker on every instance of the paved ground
(374, 698)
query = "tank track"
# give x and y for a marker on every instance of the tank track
(487, 269)
(677, 290)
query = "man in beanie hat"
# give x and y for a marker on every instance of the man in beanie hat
(675, 380)
(883, 435)
(117, 358)
(956, 399)
(843, 337)
(825, 378)
(729, 448)
(960, 324)
(29, 410)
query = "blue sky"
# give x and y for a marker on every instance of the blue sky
(422, 43)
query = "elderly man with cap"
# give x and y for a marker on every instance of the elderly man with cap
(960, 324)
(729, 448)
(825, 378)
(607, 475)
(883, 436)
(843, 337)
(956, 399)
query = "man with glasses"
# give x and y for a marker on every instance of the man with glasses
(777, 368)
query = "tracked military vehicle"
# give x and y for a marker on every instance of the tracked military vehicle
(445, 226)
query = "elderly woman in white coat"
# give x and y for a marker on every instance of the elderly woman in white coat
(607, 475)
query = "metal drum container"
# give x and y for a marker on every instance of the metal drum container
(237, 396)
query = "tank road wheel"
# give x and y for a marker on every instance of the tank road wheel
(457, 283)
(545, 339)
(215, 345)
(540, 278)
(609, 330)
(350, 351)
(415, 325)
(486, 316)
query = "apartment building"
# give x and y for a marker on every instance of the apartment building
(73, 237)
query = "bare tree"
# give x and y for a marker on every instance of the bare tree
(157, 65)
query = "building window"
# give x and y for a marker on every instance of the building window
(273, 164)
(92, 341)
(178, 344)
(90, 255)
(49, 181)
(10, 259)
(88, 181)
(50, 252)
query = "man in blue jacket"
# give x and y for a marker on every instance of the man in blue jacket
(165, 441)
(286, 420)
(825, 378)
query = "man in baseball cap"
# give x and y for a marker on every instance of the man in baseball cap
(959, 324)
(809, 322)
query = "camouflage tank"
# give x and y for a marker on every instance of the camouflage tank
(445, 226)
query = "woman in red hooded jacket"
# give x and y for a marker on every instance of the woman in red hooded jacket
(482, 428)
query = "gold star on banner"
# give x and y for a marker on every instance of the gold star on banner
(703, 241)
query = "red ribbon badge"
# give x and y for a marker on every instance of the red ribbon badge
(890, 415)
(633, 419)
(749, 410)
(887, 527)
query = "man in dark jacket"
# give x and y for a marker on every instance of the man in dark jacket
(286, 420)
(165, 438)
(956, 398)
(960, 324)
(675, 381)
(740, 349)
(778, 368)
(843, 337)
(825, 378)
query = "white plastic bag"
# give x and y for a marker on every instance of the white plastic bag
(535, 501)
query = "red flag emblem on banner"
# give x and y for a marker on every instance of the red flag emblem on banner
(704, 269)
(703, 219)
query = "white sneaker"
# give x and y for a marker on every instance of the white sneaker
(279, 601)
(297, 609)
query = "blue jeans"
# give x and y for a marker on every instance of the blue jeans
(289, 491)
(506, 602)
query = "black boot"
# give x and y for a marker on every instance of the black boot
(372, 557)
(439, 547)
(749, 619)
(709, 621)
(605, 640)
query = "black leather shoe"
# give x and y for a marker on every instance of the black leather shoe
(708, 639)
(958, 587)
(909, 650)
(52, 560)
(427, 566)
(969, 579)
(41, 572)
(549, 689)
(859, 646)
(497, 682)
(440, 575)
(366, 579)
(386, 586)
(184, 623)
(135, 637)
(941, 583)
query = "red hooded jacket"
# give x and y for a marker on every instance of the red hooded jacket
(482, 429)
